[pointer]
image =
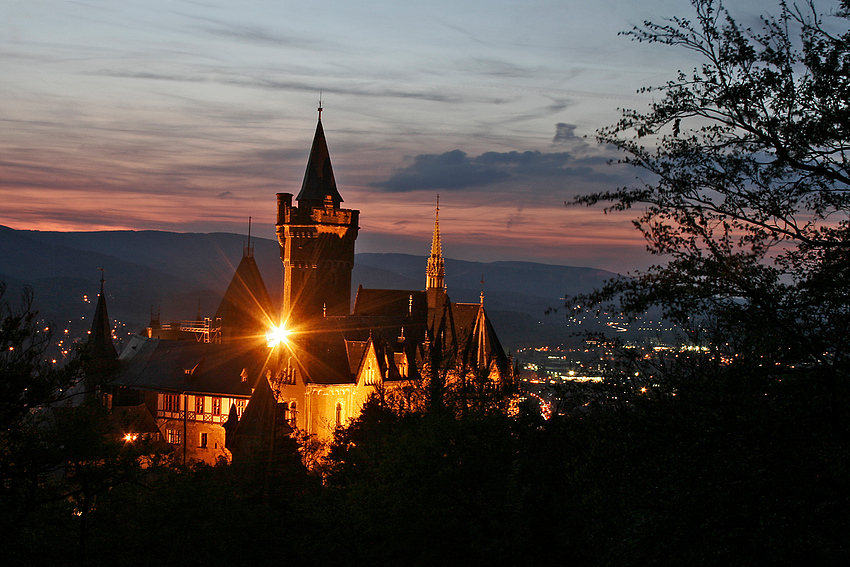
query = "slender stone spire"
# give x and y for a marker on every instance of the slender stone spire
(100, 337)
(435, 272)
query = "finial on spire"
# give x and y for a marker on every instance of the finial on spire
(320, 106)
(482, 289)
(102, 273)
(247, 252)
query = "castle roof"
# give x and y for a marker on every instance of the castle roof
(246, 308)
(319, 181)
(396, 303)
(187, 366)
(477, 338)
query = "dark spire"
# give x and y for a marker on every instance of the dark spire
(319, 184)
(100, 336)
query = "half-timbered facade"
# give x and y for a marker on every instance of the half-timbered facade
(192, 389)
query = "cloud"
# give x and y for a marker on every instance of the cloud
(258, 35)
(449, 170)
(455, 170)
(226, 195)
(565, 133)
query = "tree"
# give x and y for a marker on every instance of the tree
(27, 380)
(28, 383)
(748, 197)
(56, 457)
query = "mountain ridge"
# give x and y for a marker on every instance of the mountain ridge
(183, 275)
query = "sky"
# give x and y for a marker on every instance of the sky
(190, 116)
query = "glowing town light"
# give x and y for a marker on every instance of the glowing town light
(276, 335)
(131, 437)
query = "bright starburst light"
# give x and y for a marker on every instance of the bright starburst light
(276, 335)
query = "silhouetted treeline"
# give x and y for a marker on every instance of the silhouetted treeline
(738, 471)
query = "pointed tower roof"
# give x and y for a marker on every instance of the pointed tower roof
(435, 272)
(246, 306)
(100, 337)
(319, 180)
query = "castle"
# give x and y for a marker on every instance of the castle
(324, 360)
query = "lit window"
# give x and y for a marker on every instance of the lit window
(199, 404)
(216, 406)
(171, 402)
(203, 442)
(240, 407)
(173, 436)
(338, 414)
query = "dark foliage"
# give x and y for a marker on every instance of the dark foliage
(746, 196)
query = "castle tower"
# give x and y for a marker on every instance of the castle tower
(435, 272)
(316, 242)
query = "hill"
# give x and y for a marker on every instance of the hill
(184, 274)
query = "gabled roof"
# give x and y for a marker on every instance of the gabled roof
(477, 338)
(356, 350)
(465, 318)
(322, 353)
(186, 366)
(319, 179)
(332, 352)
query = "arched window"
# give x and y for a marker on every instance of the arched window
(292, 414)
(338, 414)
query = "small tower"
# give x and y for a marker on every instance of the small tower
(435, 272)
(100, 337)
(316, 241)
